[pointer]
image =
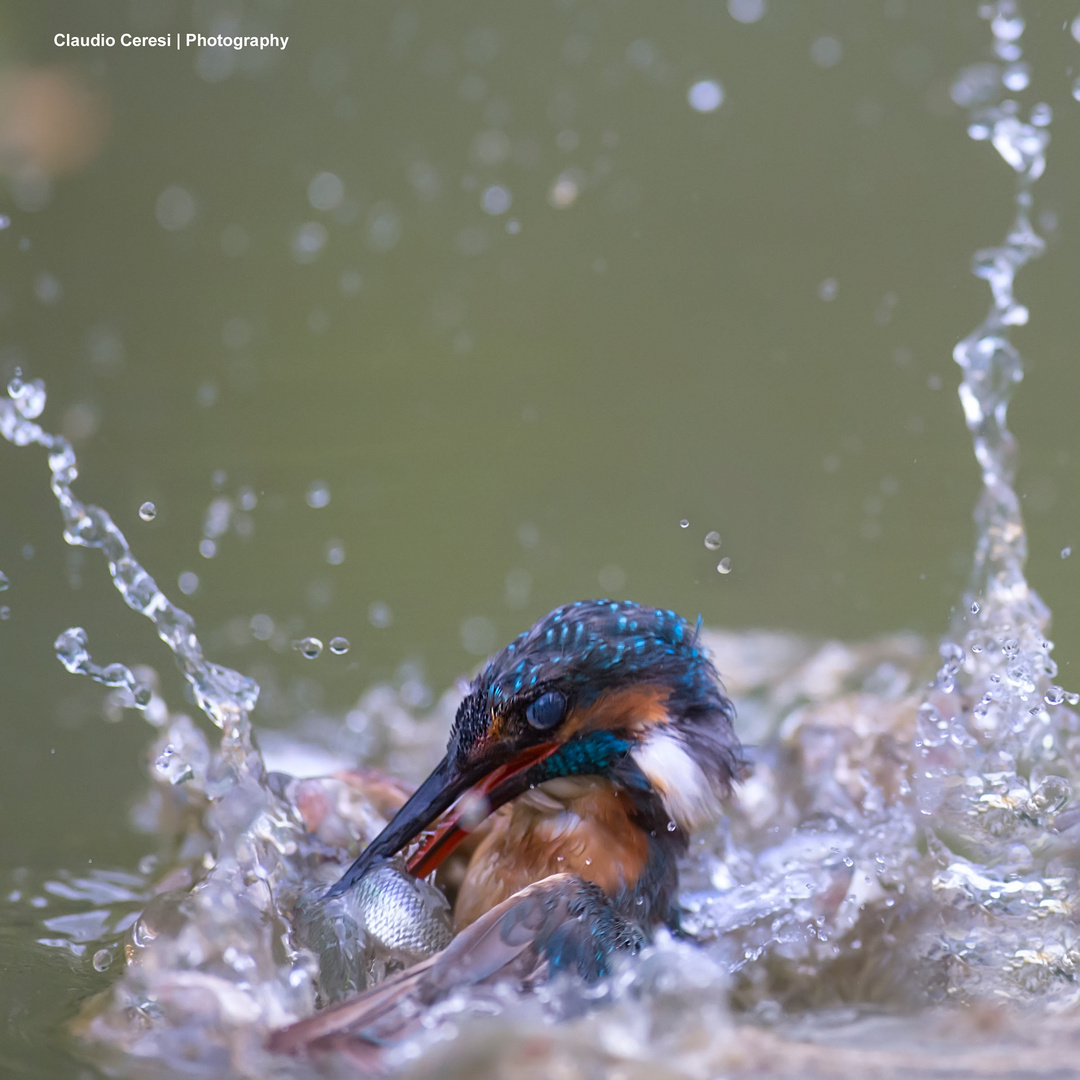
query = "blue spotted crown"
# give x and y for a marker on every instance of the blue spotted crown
(592, 646)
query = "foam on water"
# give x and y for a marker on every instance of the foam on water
(908, 838)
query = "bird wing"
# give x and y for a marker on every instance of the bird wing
(559, 923)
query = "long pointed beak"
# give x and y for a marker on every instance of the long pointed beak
(491, 787)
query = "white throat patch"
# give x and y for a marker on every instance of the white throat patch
(678, 779)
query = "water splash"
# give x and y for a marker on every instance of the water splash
(73, 652)
(893, 847)
(224, 695)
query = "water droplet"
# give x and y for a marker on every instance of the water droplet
(712, 541)
(1054, 696)
(746, 11)
(829, 289)
(1076, 89)
(102, 959)
(495, 200)
(309, 647)
(379, 615)
(706, 96)
(671, 826)
(188, 582)
(826, 52)
(685, 523)
(318, 495)
(148, 511)
(724, 565)
(1066, 552)
(5, 613)
(326, 191)
(171, 766)
(339, 646)
(4, 582)
(975, 609)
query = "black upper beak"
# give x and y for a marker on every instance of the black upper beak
(436, 794)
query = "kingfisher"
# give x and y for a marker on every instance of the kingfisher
(583, 756)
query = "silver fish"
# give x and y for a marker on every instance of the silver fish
(405, 915)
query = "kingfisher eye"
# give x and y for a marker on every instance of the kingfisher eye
(547, 710)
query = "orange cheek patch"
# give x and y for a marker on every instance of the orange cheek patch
(637, 708)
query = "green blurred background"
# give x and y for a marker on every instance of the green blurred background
(483, 276)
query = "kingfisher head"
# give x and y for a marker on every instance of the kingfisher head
(596, 688)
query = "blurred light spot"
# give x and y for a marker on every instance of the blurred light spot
(80, 421)
(518, 588)
(567, 140)
(705, 96)
(175, 208)
(482, 45)
(384, 227)
(1016, 77)
(564, 191)
(976, 85)
(335, 552)
(490, 147)
(478, 635)
(528, 535)
(319, 594)
(236, 334)
(48, 289)
(826, 52)
(379, 615)
(829, 289)
(215, 63)
(352, 283)
(207, 549)
(495, 200)
(576, 49)
(746, 11)
(513, 227)
(611, 578)
(234, 241)
(472, 88)
(913, 64)
(438, 60)
(51, 123)
(188, 582)
(641, 54)
(329, 70)
(425, 180)
(262, 627)
(473, 240)
(326, 191)
(318, 495)
(206, 395)
(308, 241)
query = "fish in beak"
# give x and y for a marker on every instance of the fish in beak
(471, 792)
